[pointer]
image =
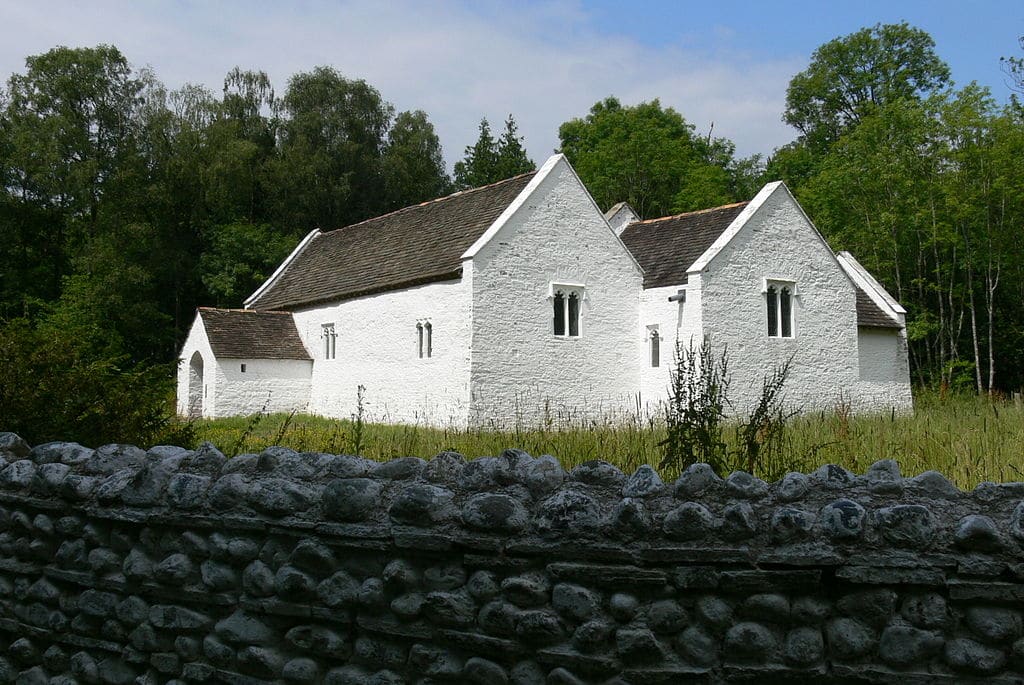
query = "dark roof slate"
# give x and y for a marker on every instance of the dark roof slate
(246, 334)
(411, 246)
(666, 247)
(869, 315)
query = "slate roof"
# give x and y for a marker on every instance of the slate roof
(246, 334)
(666, 247)
(411, 246)
(869, 315)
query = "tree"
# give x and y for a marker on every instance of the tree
(489, 160)
(850, 77)
(511, 157)
(480, 165)
(332, 137)
(1014, 68)
(413, 162)
(647, 155)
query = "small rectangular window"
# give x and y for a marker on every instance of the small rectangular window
(243, 368)
(330, 337)
(429, 330)
(655, 348)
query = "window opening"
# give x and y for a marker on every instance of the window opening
(574, 314)
(330, 337)
(559, 313)
(243, 368)
(786, 313)
(655, 349)
(779, 306)
(430, 335)
(565, 303)
(419, 339)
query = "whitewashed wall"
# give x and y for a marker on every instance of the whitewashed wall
(266, 385)
(676, 321)
(272, 385)
(884, 370)
(376, 347)
(197, 342)
(521, 373)
(778, 242)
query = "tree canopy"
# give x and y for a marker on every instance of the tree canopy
(489, 160)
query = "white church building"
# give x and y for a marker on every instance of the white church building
(521, 302)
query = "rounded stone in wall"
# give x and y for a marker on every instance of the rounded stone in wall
(750, 641)
(689, 521)
(790, 525)
(493, 512)
(964, 654)
(843, 519)
(352, 499)
(804, 647)
(906, 525)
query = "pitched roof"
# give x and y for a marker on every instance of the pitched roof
(870, 315)
(666, 247)
(246, 334)
(411, 246)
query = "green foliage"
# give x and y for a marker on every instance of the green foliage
(489, 160)
(240, 257)
(762, 436)
(57, 388)
(649, 156)
(696, 410)
(850, 77)
(413, 164)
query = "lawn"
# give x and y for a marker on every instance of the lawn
(969, 439)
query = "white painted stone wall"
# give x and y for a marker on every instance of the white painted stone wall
(266, 385)
(197, 342)
(521, 372)
(376, 347)
(271, 385)
(778, 242)
(884, 371)
(676, 321)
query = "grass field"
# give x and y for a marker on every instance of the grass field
(969, 439)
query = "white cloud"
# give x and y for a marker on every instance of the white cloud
(458, 61)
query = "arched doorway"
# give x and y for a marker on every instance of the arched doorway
(195, 386)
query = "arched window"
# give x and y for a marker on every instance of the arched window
(419, 339)
(773, 312)
(430, 335)
(655, 349)
(779, 305)
(330, 337)
(559, 313)
(786, 312)
(565, 304)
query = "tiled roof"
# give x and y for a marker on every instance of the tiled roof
(869, 315)
(418, 244)
(665, 248)
(245, 334)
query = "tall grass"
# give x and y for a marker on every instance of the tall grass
(969, 439)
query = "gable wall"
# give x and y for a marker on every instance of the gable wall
(779, 242)
(377, 347)
(521, 373)
(197, 342)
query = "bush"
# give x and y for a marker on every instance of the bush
(698, 396)
(55, 388)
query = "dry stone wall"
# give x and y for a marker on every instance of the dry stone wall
(119, 565)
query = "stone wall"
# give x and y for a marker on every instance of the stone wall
(119, 565)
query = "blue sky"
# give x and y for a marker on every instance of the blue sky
(723, 62)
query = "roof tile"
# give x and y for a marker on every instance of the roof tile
(246, 334)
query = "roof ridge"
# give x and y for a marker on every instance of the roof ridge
(692, 213)
(243, 311)
(458, 193)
